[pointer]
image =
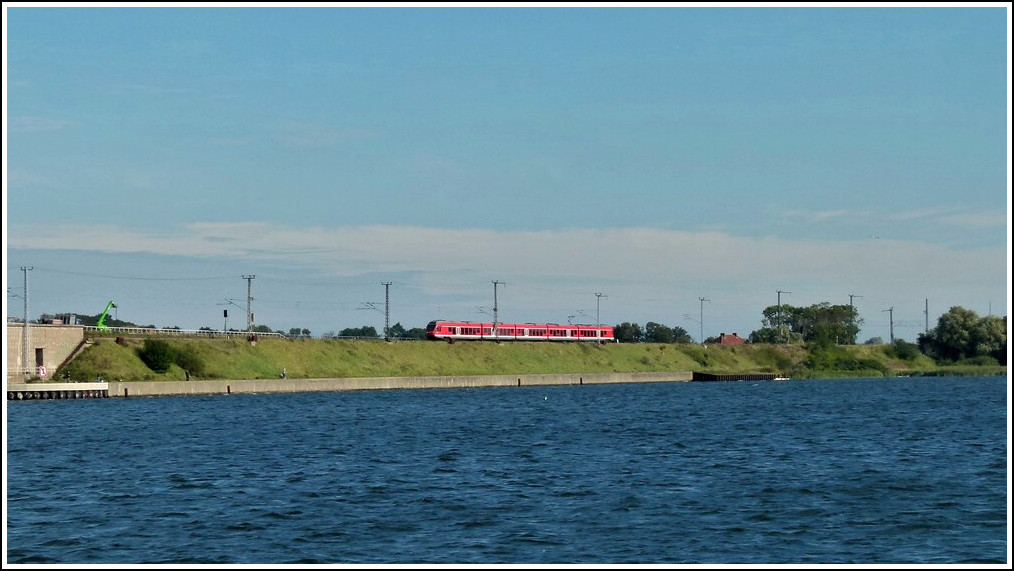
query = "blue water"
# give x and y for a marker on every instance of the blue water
(830, 471)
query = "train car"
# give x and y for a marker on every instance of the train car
(468, 330)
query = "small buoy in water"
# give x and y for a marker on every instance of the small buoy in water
(545, 398)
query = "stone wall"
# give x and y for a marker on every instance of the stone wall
(208, 387)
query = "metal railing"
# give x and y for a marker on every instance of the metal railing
(210, 333)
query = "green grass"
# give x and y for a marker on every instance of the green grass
(238, 359)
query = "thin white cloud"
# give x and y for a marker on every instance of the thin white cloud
(821, 215)
(959, 217)
(637, 255)
(982, 219)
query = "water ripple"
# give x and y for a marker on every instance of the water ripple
(874, 471)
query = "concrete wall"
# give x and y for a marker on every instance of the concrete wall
(204, 387)
(56, 341)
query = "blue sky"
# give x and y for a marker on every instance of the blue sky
(655, 155)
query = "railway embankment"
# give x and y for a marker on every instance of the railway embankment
(278, 365)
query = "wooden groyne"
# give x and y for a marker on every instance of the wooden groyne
(50, 391)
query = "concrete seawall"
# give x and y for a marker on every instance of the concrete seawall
(248, 386)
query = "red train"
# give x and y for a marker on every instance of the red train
(451, 330)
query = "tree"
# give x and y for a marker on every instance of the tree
(680, 335)
(821, 323)
(627, 332)
(991, 338)
(364, 331)
(774, 335)
(951, 339)
(764, 335)
(657, 333)
(415, 333)
(110, 321)
(398, 331)
(962, 334)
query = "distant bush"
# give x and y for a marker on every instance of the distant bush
(980, 361)
(834, 358)
(699, 354)
(189, 360)
(779, 360)
(903, 350)
(157, 354)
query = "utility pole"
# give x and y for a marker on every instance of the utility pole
(926, 312)
(702, 317)
(495, 307)
(852, 311)
(852, 295)
(24, 333)
(249, 299)
(780, 321)
(598, 298)
(387, 310)
(891, 310)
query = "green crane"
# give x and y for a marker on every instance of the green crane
(101, 324)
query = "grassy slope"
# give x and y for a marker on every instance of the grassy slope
(237, 359)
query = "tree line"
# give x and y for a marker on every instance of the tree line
(961, 336)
